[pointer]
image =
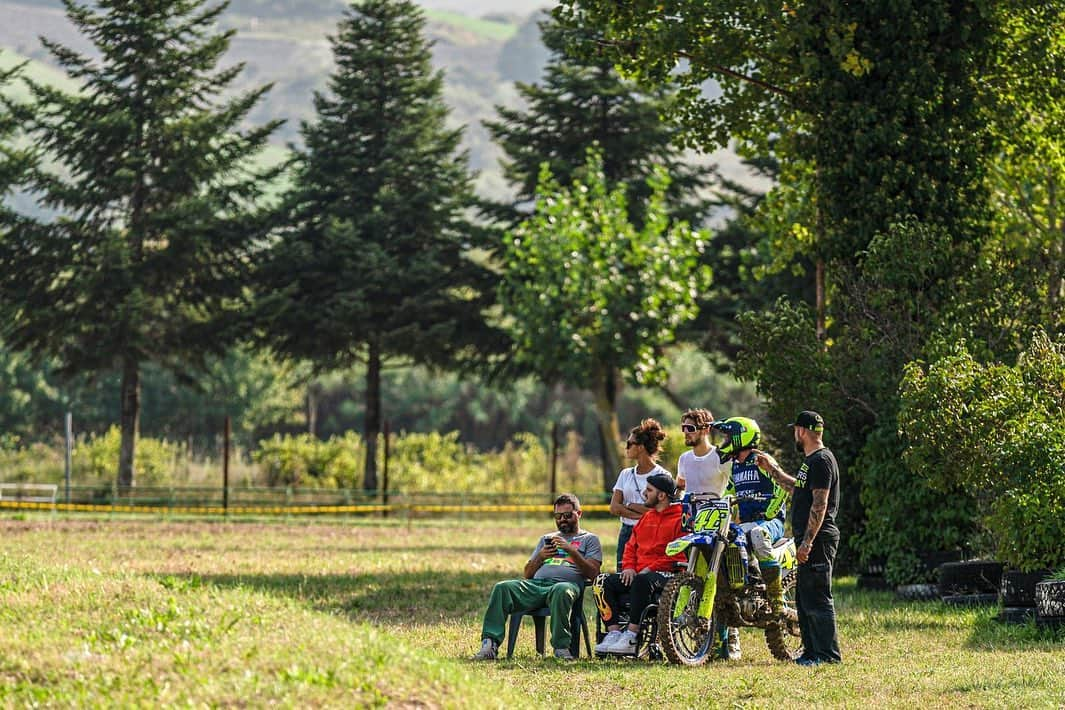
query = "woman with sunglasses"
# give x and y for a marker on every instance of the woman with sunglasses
(642, 447)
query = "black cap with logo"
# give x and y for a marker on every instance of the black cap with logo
(810, 420)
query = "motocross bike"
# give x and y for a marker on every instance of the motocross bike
(717, 591)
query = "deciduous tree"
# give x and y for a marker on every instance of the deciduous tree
(589, 297)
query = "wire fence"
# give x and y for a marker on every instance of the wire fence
(190, 500)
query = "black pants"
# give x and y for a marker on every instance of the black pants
(817, 613)
(645, 587)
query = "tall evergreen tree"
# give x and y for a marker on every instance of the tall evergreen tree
(378, 261)
(150, 175)
(581, 103)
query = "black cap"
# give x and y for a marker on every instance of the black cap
(810, 420)
(664, 483)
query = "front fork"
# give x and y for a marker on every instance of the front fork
(704, 564)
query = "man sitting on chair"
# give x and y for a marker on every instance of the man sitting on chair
(554, 577)
(645, 566)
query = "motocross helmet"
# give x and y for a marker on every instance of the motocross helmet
(735, 435)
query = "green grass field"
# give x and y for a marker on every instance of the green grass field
(142, 612)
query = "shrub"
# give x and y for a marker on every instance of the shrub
(905, 513)
(96, 459)
(998, 431)
(424, 462)
(303, 460)
(36, 463)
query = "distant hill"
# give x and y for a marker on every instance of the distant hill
(482, 45)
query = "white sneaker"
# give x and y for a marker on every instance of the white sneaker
(489, 651)
(608, 641)
(563, 654)
(733, 644)
(625, 644)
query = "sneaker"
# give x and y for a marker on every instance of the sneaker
(733, 653)
(625, 644)
(489, 651)
(609, 640)
(563, 654)
(804, 661)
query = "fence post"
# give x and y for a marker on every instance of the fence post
(384, 473)
(68, 458)
(225, 466)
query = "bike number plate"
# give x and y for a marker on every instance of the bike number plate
(710, 516)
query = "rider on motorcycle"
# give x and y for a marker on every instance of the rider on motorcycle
(760, 500)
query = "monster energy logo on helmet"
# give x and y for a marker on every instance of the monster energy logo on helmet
(735, 434)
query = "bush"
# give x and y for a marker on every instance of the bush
(430, 462)
(997, 431)
(96, 459)
(304, 461)
(905, 514)
(37, 463)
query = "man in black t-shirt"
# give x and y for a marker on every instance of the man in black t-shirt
(815, 501)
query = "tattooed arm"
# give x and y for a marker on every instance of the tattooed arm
(769, 464)
(817, 516)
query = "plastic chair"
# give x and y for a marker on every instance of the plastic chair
(578, 625)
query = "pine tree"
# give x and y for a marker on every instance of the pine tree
(377, 263)
(149, 172)
(583, 103)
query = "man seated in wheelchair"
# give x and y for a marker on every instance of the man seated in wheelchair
(645, 568)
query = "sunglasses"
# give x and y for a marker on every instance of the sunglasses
(629, 443)
(690, 428)
(565, 516)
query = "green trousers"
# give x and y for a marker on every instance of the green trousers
(515, 595)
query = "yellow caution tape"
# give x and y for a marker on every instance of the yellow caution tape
(284, 510)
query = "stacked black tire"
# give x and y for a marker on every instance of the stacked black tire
(972, 583)
(1050, 604)
(1017, 595)
(872, 579)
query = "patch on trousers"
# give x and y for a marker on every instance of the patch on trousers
(605, 611)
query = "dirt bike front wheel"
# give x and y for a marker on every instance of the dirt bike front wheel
(684, 636)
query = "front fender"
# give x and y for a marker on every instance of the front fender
(683, 543)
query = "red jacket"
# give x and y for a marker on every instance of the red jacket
(647, 546)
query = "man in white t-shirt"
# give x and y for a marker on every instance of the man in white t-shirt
(700, 470)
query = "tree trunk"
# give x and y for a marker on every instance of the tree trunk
(819, 287)
(312, 408)
(129, 420)
(609, 433)
(372, 424)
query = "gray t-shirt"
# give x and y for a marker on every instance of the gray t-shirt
(560, 566)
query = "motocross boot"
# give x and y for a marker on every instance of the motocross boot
(774, 590)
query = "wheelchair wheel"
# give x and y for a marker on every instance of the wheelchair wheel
(647, 648)
(684, 635)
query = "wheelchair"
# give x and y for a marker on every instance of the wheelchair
(647, 647)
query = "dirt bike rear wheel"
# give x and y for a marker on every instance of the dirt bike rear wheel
(783, 637)
(684, 636)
